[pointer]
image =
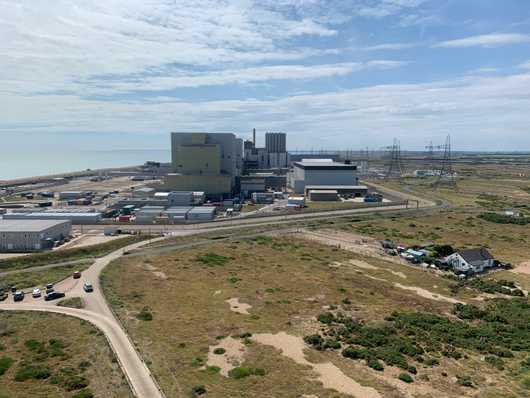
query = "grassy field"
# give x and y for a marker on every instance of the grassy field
(48, 355)
(59, 256)
(175, 308)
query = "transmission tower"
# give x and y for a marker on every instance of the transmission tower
(446, 175)
(395, 164)
(431, 162)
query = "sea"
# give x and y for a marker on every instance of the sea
(31, 163)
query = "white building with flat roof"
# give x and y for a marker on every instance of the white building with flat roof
(321, 173)
(32, 235)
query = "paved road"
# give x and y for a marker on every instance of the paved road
(98, 313)
(248, 222)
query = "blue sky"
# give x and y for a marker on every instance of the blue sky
(332, 74)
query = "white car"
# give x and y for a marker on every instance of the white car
(36, 293)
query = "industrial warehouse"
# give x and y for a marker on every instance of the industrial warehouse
(32, 235)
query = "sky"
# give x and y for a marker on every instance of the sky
(332, 74)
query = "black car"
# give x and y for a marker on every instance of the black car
(18, 296)
(3, 295)
(53, 296)
(13, 289)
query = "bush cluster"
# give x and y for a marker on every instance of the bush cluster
(242, 372)
(213, 259)
(491, 286)
(504, 219)
(496, 330)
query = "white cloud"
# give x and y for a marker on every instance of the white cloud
(466, 108)
(489, 40)
(525, 65)
(385, 8)
(390, 46)
(53, 46)
(241, 76)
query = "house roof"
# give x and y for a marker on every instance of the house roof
(472, 255)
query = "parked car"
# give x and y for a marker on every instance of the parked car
(53, 296)
(36, 293)
(87, 286)
(49, 286)
(50, 290)
(77, 274)
(18, 296)
(3, 295)
(13, 289)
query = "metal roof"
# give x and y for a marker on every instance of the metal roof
(202, 209)
(336, 187)
(325, 165)
(28, 225)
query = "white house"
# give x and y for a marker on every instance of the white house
(471, 260)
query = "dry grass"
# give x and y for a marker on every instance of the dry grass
(287, 282)
(86, 354)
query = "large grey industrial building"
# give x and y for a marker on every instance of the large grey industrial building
(321, 173)
(31, 235)
(205, 162)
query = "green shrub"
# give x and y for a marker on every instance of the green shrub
(326, 317)
(198, 390)
(405, 377)
(213, 369)
(495, 361)
(464, 381)
(219, 351)
(5, 364)
(145, 315)
(432, 362)
(375, 364)
(73, 383)
(84, 365)
(413, 370)
(197, 362)
(213, 259)
(34, 345)
(504, 219)
(241, 372)
(27, 371)
(86, 393)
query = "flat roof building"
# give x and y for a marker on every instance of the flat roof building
(321, 173)
(31, 235)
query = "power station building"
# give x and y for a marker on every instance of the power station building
(32, 235)
(210, 163)
(273, 156)
(321, 173)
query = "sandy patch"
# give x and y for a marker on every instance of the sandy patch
(523, 268)
(236, 306)
(328, 374)
(217, 292)
(335, 264)
(233, 356)
(363, 264)
(160, 274)
(149, 267)
(309, 396)
(398, 273)
(427, 294)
